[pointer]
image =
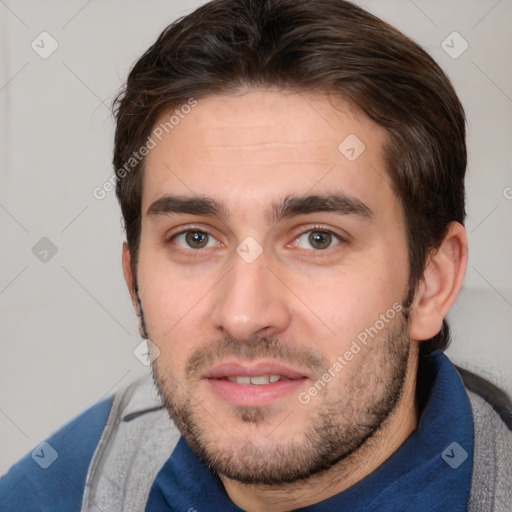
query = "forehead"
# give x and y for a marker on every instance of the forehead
(259, 146)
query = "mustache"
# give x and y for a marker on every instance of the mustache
(265, 347)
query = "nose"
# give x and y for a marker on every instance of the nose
(250, 302)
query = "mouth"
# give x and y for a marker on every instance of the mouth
(253, 384)
(259, 380)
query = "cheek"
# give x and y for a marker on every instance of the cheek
(169, 298)
(168, 314)
(350, 301)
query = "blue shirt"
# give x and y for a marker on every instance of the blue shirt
(52, 477)
(431, 471)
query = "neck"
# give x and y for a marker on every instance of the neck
(347, 472)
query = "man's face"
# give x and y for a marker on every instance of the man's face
(292, 257)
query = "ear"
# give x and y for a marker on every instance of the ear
(440, 284)
(130, 278)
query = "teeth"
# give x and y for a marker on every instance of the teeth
(258, 381)
(240, 380)
(264, 379)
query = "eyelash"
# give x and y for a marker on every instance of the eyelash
(193, 253)
(319, 229)
(316, 252)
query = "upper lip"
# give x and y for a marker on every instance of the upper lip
(252, 369)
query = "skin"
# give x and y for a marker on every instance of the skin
(296, 304)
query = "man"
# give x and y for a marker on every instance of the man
(291, 177)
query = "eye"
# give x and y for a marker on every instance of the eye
(317, 239)
(194, 239)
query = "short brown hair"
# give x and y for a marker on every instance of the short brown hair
(328, 46)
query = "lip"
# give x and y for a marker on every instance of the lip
(250, 395)
(253, 369)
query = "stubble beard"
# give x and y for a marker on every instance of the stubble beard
(342, 419)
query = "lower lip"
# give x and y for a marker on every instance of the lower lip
(253, 395)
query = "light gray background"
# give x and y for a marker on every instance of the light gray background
(67, 327)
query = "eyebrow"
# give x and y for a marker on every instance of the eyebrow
(289, 206)
(341, 204)
(195, 205)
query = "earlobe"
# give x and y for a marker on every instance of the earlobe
(440, 285)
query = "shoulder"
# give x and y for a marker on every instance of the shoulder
(52, 476)
(137, 440)
(113, 448)
(489, 394)
(491, 487)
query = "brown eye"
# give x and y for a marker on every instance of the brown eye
(318, 240)
(196, 239)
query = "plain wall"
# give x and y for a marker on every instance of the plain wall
(67, 326)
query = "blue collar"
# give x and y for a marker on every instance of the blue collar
(430, 472)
